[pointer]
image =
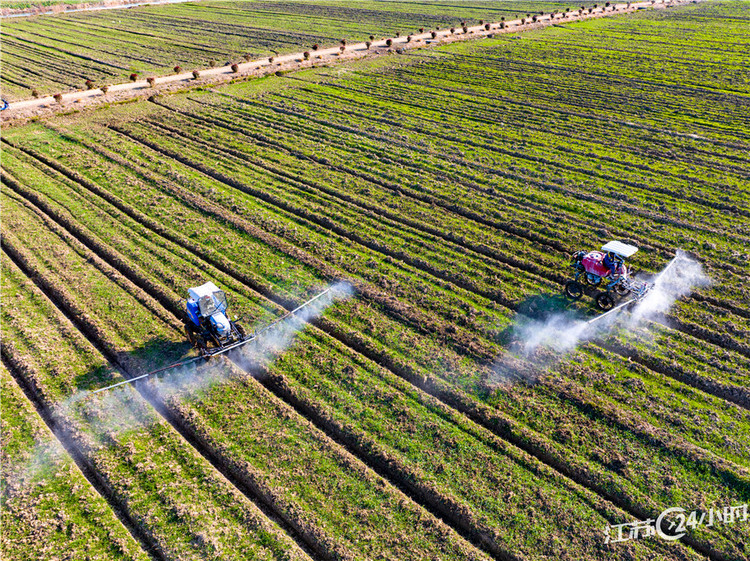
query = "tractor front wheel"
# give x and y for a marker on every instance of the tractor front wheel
(573, 290)
(605, 301)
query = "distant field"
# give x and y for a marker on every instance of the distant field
(16, 7)
(60, 52)
(24, 4)
(450, 185)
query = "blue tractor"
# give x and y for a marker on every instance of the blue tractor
(207, 326)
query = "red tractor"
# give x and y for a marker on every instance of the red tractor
(605, 270)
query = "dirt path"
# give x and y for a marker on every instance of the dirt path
(23, 110)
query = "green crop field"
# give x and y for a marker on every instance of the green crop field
(422, 414)
(58, 53)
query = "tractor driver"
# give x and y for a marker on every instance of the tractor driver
(612, 261)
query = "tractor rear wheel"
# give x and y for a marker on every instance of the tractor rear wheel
(192, 334)
(621, 290)
(605, 301)
(573, 290)
(240, 330)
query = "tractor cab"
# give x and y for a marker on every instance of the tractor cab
(207, 323)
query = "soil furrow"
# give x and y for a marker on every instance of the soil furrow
(423, 495)
(537, 448)
(721, 391)
(324, 224)
(690, 329)
(369, 209)
(263, 498)
(552, 164)
(392, 470)
(63, 435)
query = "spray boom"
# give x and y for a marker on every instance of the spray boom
(219, 351)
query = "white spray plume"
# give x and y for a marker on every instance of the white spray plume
(35, 463)
(546, 341)
(97, 422)
(561, 332)
(678, 279)
(103, 417)
(269, 344)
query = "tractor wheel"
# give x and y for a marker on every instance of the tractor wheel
(196, 339)
(192, 334)
(202, 344)
(573, 290)
(621, 290)
(605, 301)
(593, 280)
(240, 330)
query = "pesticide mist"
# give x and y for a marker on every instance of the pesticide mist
(104, 418)
(543, 342)
(267, 343)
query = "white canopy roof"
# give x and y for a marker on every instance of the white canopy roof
(207, 289)
(622, 249)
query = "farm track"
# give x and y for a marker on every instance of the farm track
(98, 339)
(556, 463)
(88, 470)
(268, 39)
